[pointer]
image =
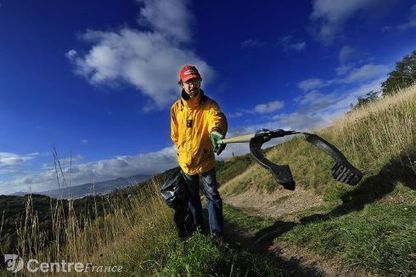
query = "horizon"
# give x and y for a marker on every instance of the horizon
(96, 80)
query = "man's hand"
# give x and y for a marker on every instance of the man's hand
(218, 147)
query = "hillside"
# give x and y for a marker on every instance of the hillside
(372, 226)
(98, 188)
(323, 228)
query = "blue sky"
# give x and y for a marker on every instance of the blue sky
(96, 79)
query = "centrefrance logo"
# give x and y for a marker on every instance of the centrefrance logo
(15, 263)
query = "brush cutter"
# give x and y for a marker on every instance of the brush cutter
(342, 170)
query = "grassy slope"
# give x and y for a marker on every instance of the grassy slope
(374, 224)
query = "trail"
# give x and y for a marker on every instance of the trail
(280, 205)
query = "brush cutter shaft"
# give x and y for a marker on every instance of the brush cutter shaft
(238, 139)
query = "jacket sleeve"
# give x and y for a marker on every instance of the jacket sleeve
(217, 120)
(173, 125)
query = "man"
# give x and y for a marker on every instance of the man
(197, 123)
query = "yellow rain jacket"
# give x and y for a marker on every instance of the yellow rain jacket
(192, 121)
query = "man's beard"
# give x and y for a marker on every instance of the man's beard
(193, 93)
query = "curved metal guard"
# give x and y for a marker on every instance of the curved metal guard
(281, 173)
(342, 170)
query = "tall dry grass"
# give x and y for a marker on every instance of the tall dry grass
(131, 222)
(382, 131)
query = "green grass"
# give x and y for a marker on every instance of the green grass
(226, 170)
(381, 238)
(251, 224)
(200, 256)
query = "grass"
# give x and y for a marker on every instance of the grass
(227, 170)
(251, 224)
(135, 232)
(381, 238)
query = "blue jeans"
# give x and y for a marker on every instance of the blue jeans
(215, 217)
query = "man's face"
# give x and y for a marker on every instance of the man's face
(192, 86)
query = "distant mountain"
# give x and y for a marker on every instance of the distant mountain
(99, 188)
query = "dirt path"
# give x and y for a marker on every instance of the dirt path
(280, 205)
(276, 204)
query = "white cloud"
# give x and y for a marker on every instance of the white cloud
(263, 108)
(365, 72)
(343, 69)
(171, 19)
(315, 100)
(269, 107)
(236, 114)
(298, 121)
(148, 60)
(312, 83)
(357, 75)
(346, 54)
(81, 173)
(12, 159)
(84, 141)
(331, 15)
(321, 109)
(290, 44)
(344, 99)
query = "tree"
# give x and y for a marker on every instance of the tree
(368, 98)
(403, 76)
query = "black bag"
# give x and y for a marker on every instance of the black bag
(176, 195)
(174, 190)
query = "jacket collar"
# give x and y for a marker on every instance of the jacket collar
(192, 102)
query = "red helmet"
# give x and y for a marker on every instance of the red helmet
(188, 72)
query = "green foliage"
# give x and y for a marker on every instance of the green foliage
(403, 76)
(367, 99)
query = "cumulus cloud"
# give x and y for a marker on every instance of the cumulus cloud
(298, 121)
(269, 107)
(315, 100)
(346, 54)
(318, 109)
(12, 159)
(147, 59)
(171, 19)
(330, 16)
(365, 72)
(263, 108)
(312, 83)
(81, 173)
